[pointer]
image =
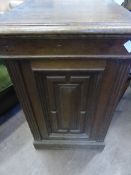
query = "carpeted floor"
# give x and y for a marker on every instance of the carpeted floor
(18, 156)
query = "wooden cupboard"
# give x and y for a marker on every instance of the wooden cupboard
(69, 77)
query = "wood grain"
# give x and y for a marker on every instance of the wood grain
(116, 75)
(69, 67)
(70, 16)
(76, 46)
(69, 98)
(21, 90)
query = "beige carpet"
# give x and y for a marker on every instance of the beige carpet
(18, 156)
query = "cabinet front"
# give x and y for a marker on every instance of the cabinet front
(68, 88)
(68, 97)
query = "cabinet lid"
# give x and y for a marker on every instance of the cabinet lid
(66, 16)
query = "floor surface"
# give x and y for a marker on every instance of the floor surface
(18, 156)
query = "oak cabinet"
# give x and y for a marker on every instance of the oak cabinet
(69, 65)
(69, 102)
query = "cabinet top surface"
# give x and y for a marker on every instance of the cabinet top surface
(66, 16)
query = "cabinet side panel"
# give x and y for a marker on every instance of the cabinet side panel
(21, 90)
(34, 97)
(114, 79)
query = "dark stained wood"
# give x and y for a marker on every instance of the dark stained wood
(68, 144)
(21, 90)
(66, 16)
(58, 47)
(33, 95)
(116, 75)
(67, 100)
(69, 67)
(127, 83)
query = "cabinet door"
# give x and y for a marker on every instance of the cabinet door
(69, 100)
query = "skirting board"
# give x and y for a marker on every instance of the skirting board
(68, 144)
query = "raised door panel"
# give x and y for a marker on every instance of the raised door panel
(68, 100)
(66, 104)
